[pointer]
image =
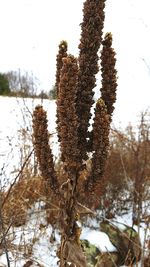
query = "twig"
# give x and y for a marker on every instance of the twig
(5, 233)
(4, 239)
(12, 185)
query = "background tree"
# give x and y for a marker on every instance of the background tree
(4, 85)
(22, 83)
(53, 92)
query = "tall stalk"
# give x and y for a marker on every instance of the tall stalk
(75, 81)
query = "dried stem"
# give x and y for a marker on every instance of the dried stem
(3, 241)
(101, 127)
(17, 176)
(68, 120)
(109, 79)
(70, 156)
(42, 148)
(91, 37)
(62, 53)
(59, 62)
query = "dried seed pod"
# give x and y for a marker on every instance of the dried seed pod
(91, 37)
(42, 148)
(109, 79)
(59, 63)
(101, 127)
(62, 52)
(68, 123)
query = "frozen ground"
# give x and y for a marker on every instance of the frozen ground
(44, 249)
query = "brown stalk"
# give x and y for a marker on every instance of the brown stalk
(59, 63)
(101, 127)
(42, 148)
(109, 79)
(75, 81)
(62, 52)
(67, 114)
(91, 37)
(70, 156)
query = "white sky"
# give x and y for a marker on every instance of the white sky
(31, 30)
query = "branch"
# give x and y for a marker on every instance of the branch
(19, 173)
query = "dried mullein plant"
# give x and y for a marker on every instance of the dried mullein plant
(75, 81)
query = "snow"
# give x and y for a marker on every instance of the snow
(45, 253)
(97, 238)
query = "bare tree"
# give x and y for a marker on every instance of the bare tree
(22, 82)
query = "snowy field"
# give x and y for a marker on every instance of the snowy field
(44, 251)
(16, 119)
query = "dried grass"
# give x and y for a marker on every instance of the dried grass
(24, 194)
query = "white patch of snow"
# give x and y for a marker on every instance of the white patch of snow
(97, 238)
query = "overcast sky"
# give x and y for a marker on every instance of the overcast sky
(31, 30)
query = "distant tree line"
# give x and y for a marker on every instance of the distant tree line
(22, 84)
(4, 85)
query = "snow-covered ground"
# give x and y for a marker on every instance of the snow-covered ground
(44, 250)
